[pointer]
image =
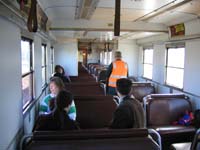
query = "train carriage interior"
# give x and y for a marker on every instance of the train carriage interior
(158, 40)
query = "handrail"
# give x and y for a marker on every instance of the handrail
(32, 103)
(25, 137)
(195, 140)
(159, 142)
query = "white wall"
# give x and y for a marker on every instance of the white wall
(140, 62)
(66, 54)
(130, 52)
(37, 65)
(192, 27)
(192, 64)
(48, 61)
(159, 63)
(10, 83)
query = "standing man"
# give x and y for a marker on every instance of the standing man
(116, 70)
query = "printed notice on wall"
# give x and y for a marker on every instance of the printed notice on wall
(177, 30)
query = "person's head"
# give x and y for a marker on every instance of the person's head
(124, 86)
(118, 55)
(56, 84)
(64, 100)
(58, 69)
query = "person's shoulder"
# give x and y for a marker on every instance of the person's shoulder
(48, 96)
(127, 102)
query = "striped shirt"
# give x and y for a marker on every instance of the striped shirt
(44, 107)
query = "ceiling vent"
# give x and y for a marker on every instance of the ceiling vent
(85, 8)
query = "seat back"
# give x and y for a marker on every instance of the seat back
(94, 111)
(101, 75)
(163, 109)
(140, 90)
(83, 89)
(196, 141)
(106, 139)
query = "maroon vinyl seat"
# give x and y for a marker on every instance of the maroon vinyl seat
(82, 78)
(97, 69)
(101, 75)
(194, 145)
(92, 68)
(106, 139)
(162, 110)
(84, 89)
(94, 111)
(140, 90)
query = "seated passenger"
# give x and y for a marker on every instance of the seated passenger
(57, 119)
(55, 85)
(129, 113)
(60, 72)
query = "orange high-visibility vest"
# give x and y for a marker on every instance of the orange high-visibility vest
(119, 70)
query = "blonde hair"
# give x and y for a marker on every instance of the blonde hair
(58, 82)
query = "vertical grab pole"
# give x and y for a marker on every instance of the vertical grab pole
(117, 18)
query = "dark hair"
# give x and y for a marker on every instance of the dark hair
(58, 82)
(63, 100)
(58, 68)
(124, 86)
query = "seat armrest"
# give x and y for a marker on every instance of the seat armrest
(156, 137)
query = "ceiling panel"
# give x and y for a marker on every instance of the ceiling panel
(47, 4)
(172, 18)
(192, 7)
(108, 14)
(61, 12)
(69, 34)
(139, 35)
(140, 4)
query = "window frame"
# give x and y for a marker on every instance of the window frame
(166, 65)
(52, 59)
(144, 49)
(44, 66)
(31, 72)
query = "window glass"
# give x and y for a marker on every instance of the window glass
(25, 56)
(175, 67)
(148, 63)
(148, 71)
(27, 72)
(176, 57)
(109, 57)
(44, 66)
(27, 89)
(105, 58)
(148, 56)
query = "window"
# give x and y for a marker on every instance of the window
(44, 66)
(148, 63)
(105, 58)
(27, 71)
(109, 57)
(52, 60)
(175, 66)
(101, 57)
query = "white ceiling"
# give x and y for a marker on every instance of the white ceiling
(61, 14)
